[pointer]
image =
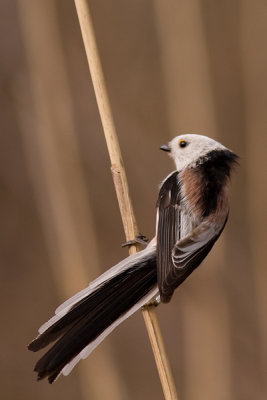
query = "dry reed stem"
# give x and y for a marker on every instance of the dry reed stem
(118, 171)
(121, 186)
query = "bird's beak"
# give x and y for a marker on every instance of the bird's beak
(165, 147)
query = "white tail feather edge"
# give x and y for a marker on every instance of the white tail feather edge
(121, 266)
(88, 349)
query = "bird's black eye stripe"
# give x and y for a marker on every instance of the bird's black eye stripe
(182, 143)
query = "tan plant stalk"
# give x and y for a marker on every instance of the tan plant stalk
(121, 186)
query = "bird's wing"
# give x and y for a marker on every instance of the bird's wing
(168, 224)
(188, 253)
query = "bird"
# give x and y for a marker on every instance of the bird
(192, 210)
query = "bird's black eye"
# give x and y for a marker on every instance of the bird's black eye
(182, 143)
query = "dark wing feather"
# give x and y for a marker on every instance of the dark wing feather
(168, 225)
(188, 253)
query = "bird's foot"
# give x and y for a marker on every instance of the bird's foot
(153, 302)
(139, 239)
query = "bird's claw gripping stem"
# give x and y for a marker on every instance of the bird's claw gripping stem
(139, 239)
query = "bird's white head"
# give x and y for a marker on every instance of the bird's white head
(188, 149)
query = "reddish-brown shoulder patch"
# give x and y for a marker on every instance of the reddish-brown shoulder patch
(192, 186)
(222, 206)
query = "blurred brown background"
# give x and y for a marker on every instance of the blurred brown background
(171, 67)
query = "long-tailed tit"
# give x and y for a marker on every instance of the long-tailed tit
(192, 210)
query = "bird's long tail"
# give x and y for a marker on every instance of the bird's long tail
(83, 321)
